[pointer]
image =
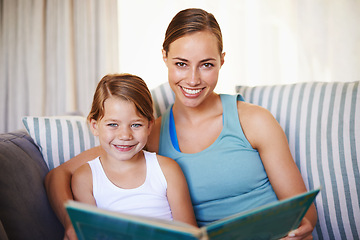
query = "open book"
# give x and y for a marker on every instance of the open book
(271, 221)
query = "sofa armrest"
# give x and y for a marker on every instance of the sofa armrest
(25, 212)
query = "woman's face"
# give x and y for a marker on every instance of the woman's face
(193, 63)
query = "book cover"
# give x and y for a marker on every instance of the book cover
(271, 221)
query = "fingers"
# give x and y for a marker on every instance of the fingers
(304, 231)
(70, 234)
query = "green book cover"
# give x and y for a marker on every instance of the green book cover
(271, 221)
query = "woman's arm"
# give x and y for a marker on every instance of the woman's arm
(266, 135)
(177, 191)
(57, 183)
(154, 138)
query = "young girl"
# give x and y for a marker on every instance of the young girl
(124, 177)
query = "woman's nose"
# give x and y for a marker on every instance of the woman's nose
(194, 77)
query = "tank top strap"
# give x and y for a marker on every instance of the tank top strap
(96, 167)
(153, 168)
(230, 114)
(99, 177)
(151, 160)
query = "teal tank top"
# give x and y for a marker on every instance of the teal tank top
(226, 178)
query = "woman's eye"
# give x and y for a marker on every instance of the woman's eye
(207, 65)
(181, 64)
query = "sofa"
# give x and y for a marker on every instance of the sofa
(321, 121)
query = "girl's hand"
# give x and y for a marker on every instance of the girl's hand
(70, 233)
(304, 231)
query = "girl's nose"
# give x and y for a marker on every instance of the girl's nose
(125, 134)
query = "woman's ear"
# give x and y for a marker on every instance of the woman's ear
(222, 58)
(164, 54)
(94, 127)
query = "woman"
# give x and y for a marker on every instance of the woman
(232, 153)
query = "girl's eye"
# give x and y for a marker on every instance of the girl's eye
(112, 125)
(181, 64)
(136, 125)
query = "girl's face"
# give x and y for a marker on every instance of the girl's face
(193, 63)
(122, 132)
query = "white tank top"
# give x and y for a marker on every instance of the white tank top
(147, 200)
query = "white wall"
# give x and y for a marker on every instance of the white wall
(266, 42)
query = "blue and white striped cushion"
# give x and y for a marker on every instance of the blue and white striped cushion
(322, 123)
(60, 138)
(163, 97)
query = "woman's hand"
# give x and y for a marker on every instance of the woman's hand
(304, 231)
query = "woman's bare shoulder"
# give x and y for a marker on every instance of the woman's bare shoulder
(250, 112)
(255, 121)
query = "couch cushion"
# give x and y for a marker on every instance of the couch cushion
(322, 123)
(60, 138)
(25, 212)
(163, 97)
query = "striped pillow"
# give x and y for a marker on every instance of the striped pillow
(163, 97)
(60, 138)
(322, 124)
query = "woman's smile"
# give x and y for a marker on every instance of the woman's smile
(191, 92)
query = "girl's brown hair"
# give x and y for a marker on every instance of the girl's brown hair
(125, 86)
(190, 21)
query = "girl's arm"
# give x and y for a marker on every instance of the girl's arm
(266, 135)
(82, 185)
(57, 184)
(177, 191)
